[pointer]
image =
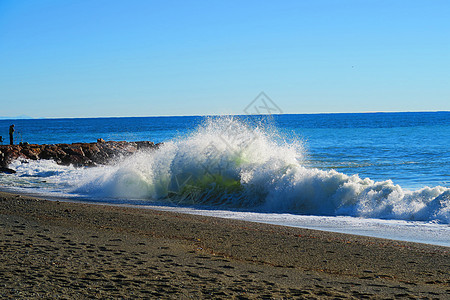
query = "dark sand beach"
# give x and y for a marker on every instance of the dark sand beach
(56, 249)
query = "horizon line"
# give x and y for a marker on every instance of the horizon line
(215, 115)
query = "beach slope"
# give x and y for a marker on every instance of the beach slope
(56, 249)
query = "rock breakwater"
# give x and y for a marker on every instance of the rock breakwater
(77, 154)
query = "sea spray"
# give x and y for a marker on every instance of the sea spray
(228, 163)
(210, 166)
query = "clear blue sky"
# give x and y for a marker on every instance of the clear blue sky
(87, 58)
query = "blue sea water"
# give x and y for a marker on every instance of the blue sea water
(328, 168)
(411, 148)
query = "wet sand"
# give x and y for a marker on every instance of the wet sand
(55, 249)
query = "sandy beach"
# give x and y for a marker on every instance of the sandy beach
(56, 249)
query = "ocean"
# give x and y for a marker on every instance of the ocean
(377, 174)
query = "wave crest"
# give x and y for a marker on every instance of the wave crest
(228, 163)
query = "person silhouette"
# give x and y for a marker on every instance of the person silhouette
(11, 134)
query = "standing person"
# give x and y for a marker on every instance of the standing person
(11, 134)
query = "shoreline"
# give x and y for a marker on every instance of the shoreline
(389, 233)
(58, 248)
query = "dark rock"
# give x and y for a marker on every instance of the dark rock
(12, 153)
(77, 154)
(76, 151)
(90, 150)
(2, 159)
(7, 170)
(31, 153)
(75, 160)
(52, 152)
(144, 145)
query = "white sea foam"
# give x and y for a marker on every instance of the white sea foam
(227, 164)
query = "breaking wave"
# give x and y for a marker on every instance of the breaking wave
(227, 163)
